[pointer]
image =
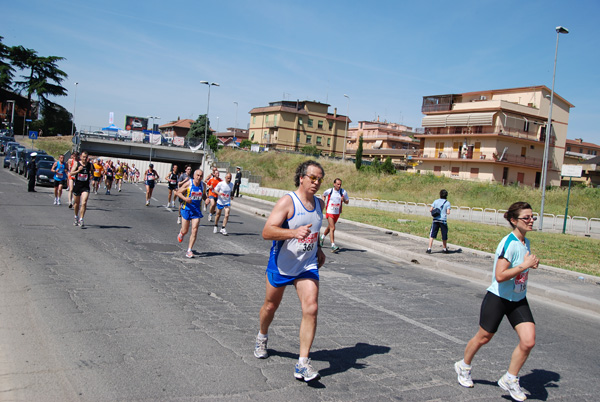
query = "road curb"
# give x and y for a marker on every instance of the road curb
(481, 276)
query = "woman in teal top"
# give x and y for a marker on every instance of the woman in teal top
(506, 296)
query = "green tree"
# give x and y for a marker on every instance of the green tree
(376, 165)
(245, 144)
(388, 167)
(6, 69)
(56, 120)
(44, 77)
(359, 152)
(196, 133)
(311, 150)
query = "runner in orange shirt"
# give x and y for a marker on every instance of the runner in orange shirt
(97, 175)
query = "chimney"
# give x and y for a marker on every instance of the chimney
(334, 112)
(580, 140)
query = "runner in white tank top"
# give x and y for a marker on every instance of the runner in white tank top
(296, 256)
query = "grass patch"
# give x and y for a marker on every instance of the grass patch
(277, 171)
(574, 253)
(52, 145)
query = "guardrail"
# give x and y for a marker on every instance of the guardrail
(490, 216)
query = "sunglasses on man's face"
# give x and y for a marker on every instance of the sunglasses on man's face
(315, 179)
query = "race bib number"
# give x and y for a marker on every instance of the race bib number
(59, 175)
(196, 195)
(521, 282)
(173, 182)
(150, 177)
(82, 177)
(308, 244)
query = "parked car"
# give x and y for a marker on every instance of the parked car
(6, 160)
(44, 174)
(11, 145)
(5, 140)
(19, 157)
(23, 162)
(39, 158)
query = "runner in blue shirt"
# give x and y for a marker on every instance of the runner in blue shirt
(506, 296)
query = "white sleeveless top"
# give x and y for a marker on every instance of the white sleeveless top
(293, 257)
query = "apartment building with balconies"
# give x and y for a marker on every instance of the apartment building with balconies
(495, 135)
(293, 125)
(382, 139)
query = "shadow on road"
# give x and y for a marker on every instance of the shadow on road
(340, 360)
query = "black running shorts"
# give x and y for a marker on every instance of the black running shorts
(494, 308)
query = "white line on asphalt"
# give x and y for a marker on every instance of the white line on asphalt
(402, 317)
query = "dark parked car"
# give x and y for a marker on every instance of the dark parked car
(44, 174)
(11, 156)
(41, 155)
(5, 140)
(22, 156)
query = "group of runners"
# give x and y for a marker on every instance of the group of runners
(296, 255)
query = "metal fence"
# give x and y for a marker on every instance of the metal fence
(490, 216)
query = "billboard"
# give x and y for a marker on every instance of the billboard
(136, 123)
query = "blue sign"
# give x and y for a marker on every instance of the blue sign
(33, 135)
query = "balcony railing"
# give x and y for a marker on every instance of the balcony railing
(509, 132)
(479, 156)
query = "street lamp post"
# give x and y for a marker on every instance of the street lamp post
(74, 106)
(12, 117)
(346, 128)
(236, 111)
(150, 135)
(559, 30)
(206, 121)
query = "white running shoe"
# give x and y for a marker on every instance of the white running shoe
(55, 202)
(179, 220)
(58, 202)
(81, 223)
(215, 229)
(464, 375)
(260, 348)
(512, 387)
(210, 218)
(223, 232)
(306, 372)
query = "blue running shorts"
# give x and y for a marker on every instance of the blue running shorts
(277, 280)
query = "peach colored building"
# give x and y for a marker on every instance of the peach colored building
(292, 125)
(582, 153)
(495, 135)
(382, 139)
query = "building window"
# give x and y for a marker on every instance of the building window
(437, 169)
(478, 129)
(310, 123)
(330, 125)
(252, 136)
(318, 140)
(568, 149)
(474, 173)
(300, 121)
(328, 142)
(266, 118)
(458, 130)
(265, 135)
(253, 119)
(526, 126)
(308, 138)
(297, 137)
(320, 124)
(523, 151)
(455, 171)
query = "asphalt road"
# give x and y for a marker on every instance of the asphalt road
(114, 311)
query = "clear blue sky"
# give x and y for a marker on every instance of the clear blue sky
(147, 57)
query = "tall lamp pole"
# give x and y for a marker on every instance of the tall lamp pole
(206, 121)
(74, 106)
(236, 112)
(559, 30)
(151, 133)
(346, 128)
